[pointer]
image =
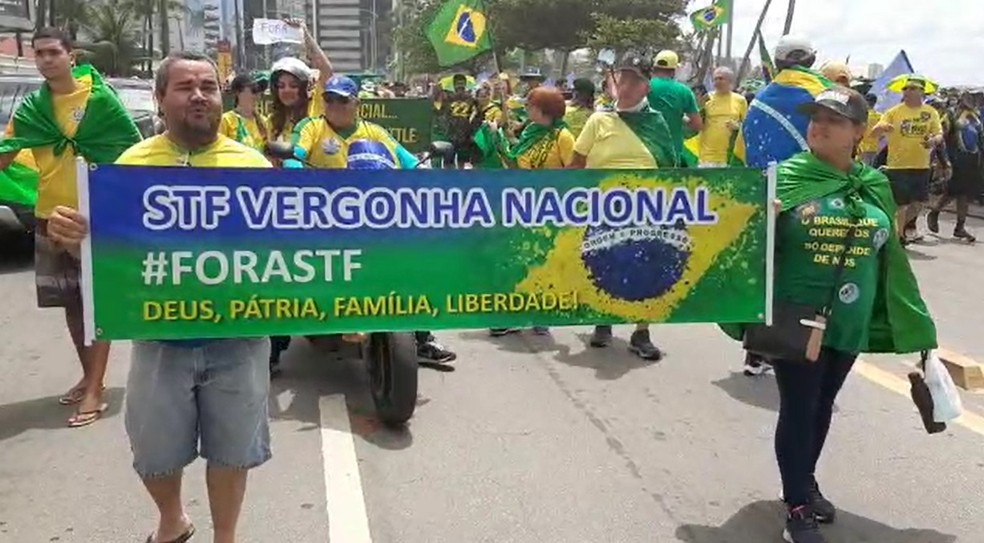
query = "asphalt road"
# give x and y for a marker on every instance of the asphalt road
(530, 439)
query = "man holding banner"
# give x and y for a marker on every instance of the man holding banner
(180, 393)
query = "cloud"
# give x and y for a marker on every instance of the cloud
(941, 43)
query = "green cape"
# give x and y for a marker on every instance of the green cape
(105, 131)
(496, 151)
(900, 322)
(650, 127)
(19, 185)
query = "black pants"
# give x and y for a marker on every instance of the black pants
(806, 401)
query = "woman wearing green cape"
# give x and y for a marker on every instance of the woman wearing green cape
(545, 143)
(836, 255)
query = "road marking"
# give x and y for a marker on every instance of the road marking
(969, 420)
(346, 505)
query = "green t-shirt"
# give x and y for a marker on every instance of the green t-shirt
(674, 100)
(810, 242)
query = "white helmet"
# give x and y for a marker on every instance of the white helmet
(294, 66)
(794, 47)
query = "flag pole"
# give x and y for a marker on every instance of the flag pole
(751, 42)
(731, 24)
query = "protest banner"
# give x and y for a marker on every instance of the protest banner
(201, 253)
(409, 120)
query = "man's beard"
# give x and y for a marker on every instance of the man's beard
(201, 133)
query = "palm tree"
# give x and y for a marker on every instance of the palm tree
(111, 27)
(72, 15)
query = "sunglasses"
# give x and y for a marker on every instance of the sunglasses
(913, 88)
(336, 99)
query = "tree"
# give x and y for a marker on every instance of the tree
(113, 47)
(640, 25)
(72, 15)
(533, 25)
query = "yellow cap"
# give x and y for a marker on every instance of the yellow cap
(838, 72)
(667, 60)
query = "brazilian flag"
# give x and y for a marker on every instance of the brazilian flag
(712, 16)
(460, 31)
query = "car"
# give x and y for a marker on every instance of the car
(137, 96)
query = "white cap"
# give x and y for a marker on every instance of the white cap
(293, 66)
(790, 44)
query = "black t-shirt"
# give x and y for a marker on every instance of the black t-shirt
(461, 111)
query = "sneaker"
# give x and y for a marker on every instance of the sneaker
(641, 345)
(499, 332)
(801, 527)
(823, 510)
(755, 366)
(602, 336)
(433, 351)
(960, 233)
(541, 330)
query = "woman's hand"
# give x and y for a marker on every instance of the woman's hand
(297, 23)
(777, 205)
(68, 228)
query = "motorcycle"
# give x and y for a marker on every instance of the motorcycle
(390, 357)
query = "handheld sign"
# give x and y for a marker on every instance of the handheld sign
(270, 31)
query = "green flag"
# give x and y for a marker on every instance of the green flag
(459, 31)
(768, 68)
(712, 16)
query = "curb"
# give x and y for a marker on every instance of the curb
(966, 373)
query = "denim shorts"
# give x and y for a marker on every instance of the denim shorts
(214, 394)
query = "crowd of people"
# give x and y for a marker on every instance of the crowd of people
(823, 134)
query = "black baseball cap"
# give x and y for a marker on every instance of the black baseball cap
(843, 102)
(636, 63)
(246, 81)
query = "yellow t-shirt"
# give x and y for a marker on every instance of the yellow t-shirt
(912, 126)
(558, 153)
(243, 130)
(716, 136)
(367, 146)
(492, 113)
(576, 117)
(870, 143)
(607, 142)
(24, 157)
(223, 153)
(56, 174)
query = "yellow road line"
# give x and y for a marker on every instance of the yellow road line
(969, 420)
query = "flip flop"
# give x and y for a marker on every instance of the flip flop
(180, 539)
(85, 418)
(74, 396)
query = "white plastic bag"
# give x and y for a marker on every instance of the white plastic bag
(946, 398)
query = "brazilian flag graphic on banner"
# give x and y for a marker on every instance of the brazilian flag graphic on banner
(459, 32)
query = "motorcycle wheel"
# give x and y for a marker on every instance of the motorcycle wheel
(393, 366)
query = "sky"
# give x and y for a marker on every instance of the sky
(945, 43)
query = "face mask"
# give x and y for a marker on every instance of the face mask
(634, 109)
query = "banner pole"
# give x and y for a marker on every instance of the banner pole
(770, 241)
(85, 277)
